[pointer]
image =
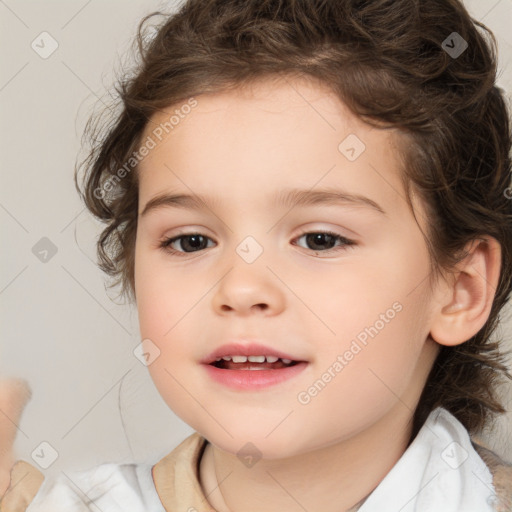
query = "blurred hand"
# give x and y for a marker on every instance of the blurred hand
(14, 395)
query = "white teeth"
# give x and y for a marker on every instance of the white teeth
(253, 359)
(256, 359)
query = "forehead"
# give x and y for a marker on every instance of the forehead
(268, 135)
(270, 94)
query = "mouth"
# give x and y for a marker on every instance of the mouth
(248, 378)
(258, 366)
(253, 363)
(253, 356)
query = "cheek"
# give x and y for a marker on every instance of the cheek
(369, 299)
(163, 297)
(379, 317)
(360, 378)
(165, 305)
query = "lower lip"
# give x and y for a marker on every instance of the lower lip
(253, 379)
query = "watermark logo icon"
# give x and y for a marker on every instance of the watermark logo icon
(44, 455)
(454, 455)
(454, 45)
(249, 454)
(146, 352)
(352, 147)
(249, 249)
(44, 45)
(44, 250)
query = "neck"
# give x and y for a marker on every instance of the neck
(333, 478)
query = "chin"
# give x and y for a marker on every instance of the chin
(255, 442)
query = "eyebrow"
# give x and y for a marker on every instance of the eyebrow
(290, 198)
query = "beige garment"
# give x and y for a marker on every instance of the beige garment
(176, 479)
(501, 477)
(25, 482)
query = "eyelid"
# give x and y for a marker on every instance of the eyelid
(319, 227)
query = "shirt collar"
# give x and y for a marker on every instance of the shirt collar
(440, 470)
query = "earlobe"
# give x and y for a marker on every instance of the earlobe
(468, 297)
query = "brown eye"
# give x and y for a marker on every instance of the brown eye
(325, 241)
(185, 243)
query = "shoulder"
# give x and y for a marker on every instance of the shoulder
(501, 471)
(113, 487)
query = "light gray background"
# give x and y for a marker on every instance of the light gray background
(59, 328)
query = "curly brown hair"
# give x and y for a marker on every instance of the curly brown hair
(390, 62)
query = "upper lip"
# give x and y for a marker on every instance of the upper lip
(251, 349)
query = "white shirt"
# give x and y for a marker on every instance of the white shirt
(439, 472)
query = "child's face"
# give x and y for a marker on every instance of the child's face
(307, 296)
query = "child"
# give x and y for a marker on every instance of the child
(310, 204)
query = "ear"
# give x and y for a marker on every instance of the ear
(467, 297)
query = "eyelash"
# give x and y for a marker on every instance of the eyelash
(166, 242)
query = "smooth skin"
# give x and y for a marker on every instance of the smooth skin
(241, 148)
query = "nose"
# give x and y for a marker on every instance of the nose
(248, 289)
